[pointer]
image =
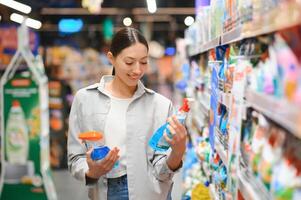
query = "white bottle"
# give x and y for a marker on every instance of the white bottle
(16, 137)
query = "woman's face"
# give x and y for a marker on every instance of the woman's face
(131, 63)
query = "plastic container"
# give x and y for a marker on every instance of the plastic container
(94, 139)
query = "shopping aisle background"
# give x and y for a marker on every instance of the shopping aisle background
(70, 189)
(67, 187)
(238, 60)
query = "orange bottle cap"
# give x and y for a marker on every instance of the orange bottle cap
(91, 136)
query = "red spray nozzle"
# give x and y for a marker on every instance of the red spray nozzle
(185, 107)
(16, 103)
(90, 136)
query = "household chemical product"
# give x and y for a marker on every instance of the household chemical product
(93, 139)
(157, 141)
(16, 140)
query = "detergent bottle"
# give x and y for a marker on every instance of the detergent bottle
(16, 138)
(157, 141)
(94, 139)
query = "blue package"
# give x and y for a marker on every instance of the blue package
(99, 153)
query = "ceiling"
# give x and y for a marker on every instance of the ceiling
(166, 24)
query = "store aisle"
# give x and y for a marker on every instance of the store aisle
(67, 187)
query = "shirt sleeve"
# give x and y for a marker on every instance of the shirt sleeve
(158, 160)
(77, 163)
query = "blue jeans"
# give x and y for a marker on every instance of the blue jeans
(118, 189)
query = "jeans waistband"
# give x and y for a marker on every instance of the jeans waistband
(118, 180)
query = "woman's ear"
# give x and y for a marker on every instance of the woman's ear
(110, 57)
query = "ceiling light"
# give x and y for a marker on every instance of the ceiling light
(33, 23)
(17, 6)
(17, 18)
(189, 21)
(151, 6)
(29, 21)
(127, 21)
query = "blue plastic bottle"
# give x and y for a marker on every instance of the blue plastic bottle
(157, 141)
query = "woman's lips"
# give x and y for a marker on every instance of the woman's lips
(134, 77)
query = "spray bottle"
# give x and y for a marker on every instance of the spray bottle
(157, 141)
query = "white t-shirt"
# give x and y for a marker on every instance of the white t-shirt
(115, 133)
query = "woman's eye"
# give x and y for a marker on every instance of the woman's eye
(128, 63)
(144, 63)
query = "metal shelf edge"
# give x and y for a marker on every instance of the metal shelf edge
(221, 152)
(282, 112)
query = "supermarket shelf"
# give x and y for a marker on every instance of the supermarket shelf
(204, 101)
(199, 124)
(205, 47)
(287, 15)
(250, 187)
(282, 112)
(212, 192)
(220, 150)
(284, 16)
(232, 36)
(225, 99)
(206, 170)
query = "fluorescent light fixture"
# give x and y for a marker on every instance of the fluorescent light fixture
(189, 21)
(17, 18)
(29, 22)
(127, 21)
(33, 23)
(17, 6)
(151, 6)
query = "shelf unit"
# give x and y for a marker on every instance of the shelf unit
(225, 99)
(234, 35)
(220, 150)
(282, 112)
(212, 192)
(205, 47)
(204, 103)
(250, 186)
(287, 15)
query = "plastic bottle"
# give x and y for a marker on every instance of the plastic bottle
(16, 137)
(157, 141)
(93, 139)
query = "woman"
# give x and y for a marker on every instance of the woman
(127, 113)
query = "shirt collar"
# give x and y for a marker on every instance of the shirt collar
(141, 89)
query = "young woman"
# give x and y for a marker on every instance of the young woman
(128, 114)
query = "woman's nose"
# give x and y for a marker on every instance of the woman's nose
(137, 69)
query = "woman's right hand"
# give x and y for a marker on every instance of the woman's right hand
(100, 168)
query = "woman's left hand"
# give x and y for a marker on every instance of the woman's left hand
(179, 136)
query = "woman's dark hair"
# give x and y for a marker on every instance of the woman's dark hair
(124, 38)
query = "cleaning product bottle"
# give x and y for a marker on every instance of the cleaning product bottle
(157, 141)
(16, 137)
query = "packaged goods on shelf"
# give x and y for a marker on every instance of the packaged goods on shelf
(273, 156)
(78, 68)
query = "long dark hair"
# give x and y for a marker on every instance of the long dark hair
(125, 38)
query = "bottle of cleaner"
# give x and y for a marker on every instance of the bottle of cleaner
(16, 137)
(157, 141)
